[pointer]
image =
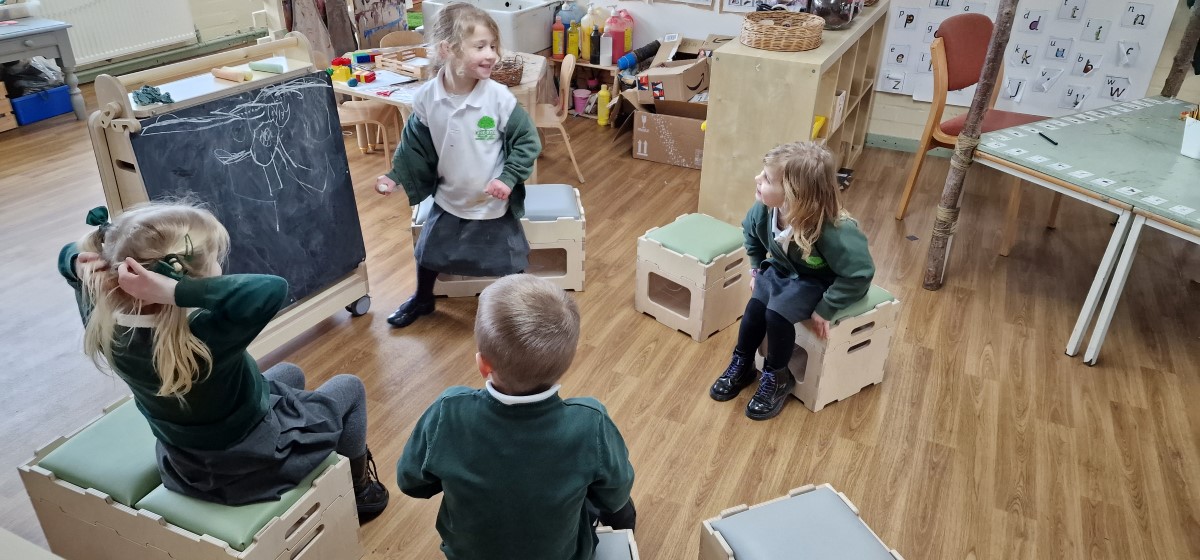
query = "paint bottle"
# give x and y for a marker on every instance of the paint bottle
(625, 15)
(573, 40)
(606, 49)
(557, 38)
(602, 100)
(585, 42)
(594, 50)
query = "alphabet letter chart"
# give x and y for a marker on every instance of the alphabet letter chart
(1062, 55)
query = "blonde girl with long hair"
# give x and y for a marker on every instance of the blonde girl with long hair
(159, 314)
(808, 261)
(470, 146)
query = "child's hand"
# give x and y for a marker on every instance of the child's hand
(820, 326)
(384, 185)
(148, 286)
(498, 189)
(89, 261)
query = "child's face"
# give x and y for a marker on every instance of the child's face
(480, 53)
(768, 189)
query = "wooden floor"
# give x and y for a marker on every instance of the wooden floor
(984, 441)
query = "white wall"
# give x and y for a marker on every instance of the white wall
(893, 115)
(219, 18)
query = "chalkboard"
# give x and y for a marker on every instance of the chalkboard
(271, 164)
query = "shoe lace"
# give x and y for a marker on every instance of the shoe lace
(372, 472)
(735, 366)
(766, 385)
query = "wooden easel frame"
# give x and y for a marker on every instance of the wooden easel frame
(110, 129)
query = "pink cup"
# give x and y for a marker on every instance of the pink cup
(581, 98)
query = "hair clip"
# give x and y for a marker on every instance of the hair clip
(170, 266)
(98, 217)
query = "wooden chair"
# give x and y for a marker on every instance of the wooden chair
(546, 115)
(401, 39)
(361, 113)
(959, 48)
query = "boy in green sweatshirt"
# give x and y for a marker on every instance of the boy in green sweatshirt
(525, 473)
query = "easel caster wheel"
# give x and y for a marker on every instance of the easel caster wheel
(360, 306)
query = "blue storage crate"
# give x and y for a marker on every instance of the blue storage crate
(42, 105)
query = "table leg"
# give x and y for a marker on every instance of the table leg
(1010, 218)
(76, 95)
(1114, 291)
(1103, 273)
(360, 134)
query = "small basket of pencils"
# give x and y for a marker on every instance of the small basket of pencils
(1191, 133)
(509, 71)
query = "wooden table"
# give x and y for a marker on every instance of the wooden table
(1123, 158)
(31, 37)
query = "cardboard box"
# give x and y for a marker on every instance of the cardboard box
(678, 80)
(839, 106)
(666, 131)
(712, 43)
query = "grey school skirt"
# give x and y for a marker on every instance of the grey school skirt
(793, 298)
(298, 433)
(452, 245)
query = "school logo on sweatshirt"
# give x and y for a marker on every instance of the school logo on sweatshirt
(486, 129)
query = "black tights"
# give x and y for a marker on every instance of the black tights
(758, 323)
(425, 280)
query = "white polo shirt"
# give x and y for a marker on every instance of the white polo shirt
(469, 137)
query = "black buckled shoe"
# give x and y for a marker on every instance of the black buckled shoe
(739, 375)
(409, 311)
(773, 390)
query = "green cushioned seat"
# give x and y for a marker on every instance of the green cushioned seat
(699, 235)
(114, 455)
(818, 523)
(546, 203)
(612, 546)
(875, 296)
(235, 525)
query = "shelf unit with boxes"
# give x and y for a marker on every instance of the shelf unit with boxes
(8, 120)
(779, 95)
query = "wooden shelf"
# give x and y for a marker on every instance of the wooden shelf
(800, 86)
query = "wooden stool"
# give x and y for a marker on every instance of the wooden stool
(817, 520)
(615, 544)
(97, 495)
(693, 275)
(853, 356)
(554, 224)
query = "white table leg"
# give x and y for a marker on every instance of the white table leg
(1103, 273)
(1114, 291)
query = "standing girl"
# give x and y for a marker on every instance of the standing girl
(470, 146)
(160, 315)
(809, 260)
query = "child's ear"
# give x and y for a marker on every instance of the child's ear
(485, 367)
(444, 50)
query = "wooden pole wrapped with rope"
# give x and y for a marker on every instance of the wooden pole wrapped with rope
(1183, 56)
(964, 150)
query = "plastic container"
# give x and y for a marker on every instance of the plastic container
(594, 51)
(581, 98)
(628, 17)
(602, 105)
(571, 12)
(558, 38)
(585, 36)
(615, 28)
(42, 105)
(573, 40)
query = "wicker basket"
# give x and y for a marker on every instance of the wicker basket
(509, 71)
(782, 31)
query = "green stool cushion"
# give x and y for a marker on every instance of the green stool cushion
(114, 455)
(875, 296)
(612, 546)
(546, 203)
(698, 235)
(818, 523)
(235, 525)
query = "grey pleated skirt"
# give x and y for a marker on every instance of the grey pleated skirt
(452, 245)
(299, 431)
(793, 298)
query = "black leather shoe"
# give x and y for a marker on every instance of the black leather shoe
(739, 375)
(370, 495)
(409, 311)
(772, 394)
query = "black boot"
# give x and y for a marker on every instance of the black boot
(739, 375)
(772, 394)
(409, 311)
(370, 495)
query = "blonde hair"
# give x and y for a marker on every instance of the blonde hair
(528, 329)
(150, 233)
(454, 25)
(808, 172)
